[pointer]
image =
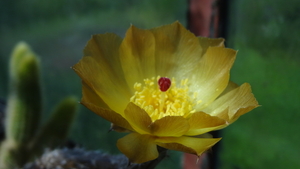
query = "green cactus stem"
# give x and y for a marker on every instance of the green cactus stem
(24, 101)
(56, 129)
(23, 107)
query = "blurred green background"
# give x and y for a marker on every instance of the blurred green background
(265, 33)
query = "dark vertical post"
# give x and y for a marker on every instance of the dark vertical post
(208, 18)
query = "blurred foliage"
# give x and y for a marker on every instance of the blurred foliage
(265, 33)
(268, 26)
(17, 12)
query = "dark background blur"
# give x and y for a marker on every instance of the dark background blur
(265, 32)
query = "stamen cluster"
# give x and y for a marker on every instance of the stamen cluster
(175, 101)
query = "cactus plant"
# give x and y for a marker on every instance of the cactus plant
(55, 130)
(24, 105)
(23, 137)
(24, 101)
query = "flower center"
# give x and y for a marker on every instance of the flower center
(159, 97)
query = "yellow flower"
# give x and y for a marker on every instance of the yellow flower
(165, 86)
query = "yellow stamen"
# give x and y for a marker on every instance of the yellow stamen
(176, 101)
(162, 101)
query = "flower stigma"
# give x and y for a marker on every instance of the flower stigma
(164, 84)
(163, 98)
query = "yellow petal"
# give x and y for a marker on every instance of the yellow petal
(93, 102)
(137, 55)
(89, 96)
(210, 42)
(109, 115)
(190, 145)
(138, 148)
(238, 102)
(212, 76)
(230, 86)
(177, 51)
(138, 118)
(174, 126)
(100, 69)
(201, 122)
(224, 115)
